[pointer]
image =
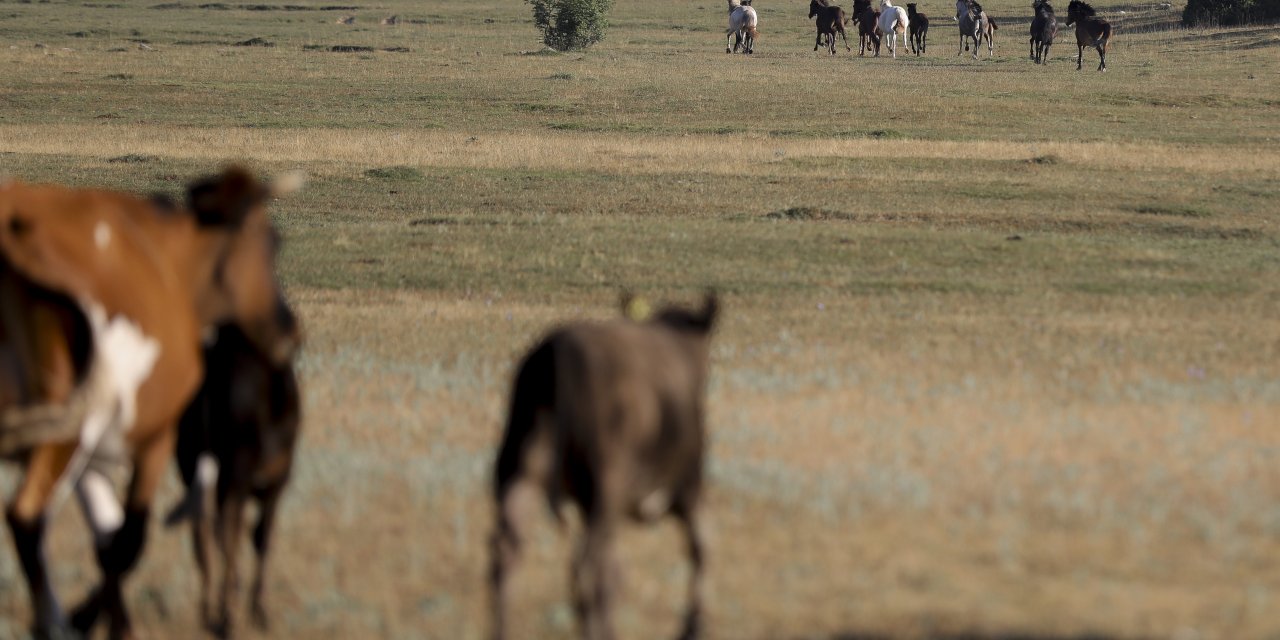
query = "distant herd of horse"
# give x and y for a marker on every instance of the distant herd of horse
(976, 27)
(135, 330)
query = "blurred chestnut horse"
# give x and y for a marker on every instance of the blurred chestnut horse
(103, 298)
(611, 414)
(236, 443)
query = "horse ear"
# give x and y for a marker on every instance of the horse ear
(226, 199)
(710, 309)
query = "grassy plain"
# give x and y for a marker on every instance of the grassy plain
(1000, 354)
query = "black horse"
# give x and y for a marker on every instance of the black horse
(1091, 31)
(830, 21)
(919, 28)
(1043, 29)
(867, 35)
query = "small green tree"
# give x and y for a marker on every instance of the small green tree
(571, 24)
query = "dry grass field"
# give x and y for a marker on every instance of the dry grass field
(1001, 346)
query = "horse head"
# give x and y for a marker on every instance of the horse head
(231, 210)
(1078, 10)
(911, 9)
(815, 6)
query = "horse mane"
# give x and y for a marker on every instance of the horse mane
(734, 4)
(1083, 8)
(976, 8)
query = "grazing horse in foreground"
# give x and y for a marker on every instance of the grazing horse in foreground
(103, 297)
(893, 22)
(867, 18)
(830, 21)
(1043, 29)
(970, 26)
(239, 432)
(742, 27)
(919, 29)
(1091, 31)
(608, 415)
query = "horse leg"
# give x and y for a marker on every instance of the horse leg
(846, 40)
(229, 527)
(728, 37)
(118, 557)
(1102, 58)
(26, 519)
(690, 523)
(1079, 56)
(201, 533)
(267, 505)
(817, 41)
(595, 578)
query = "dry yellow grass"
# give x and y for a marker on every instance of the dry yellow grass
(753, 154)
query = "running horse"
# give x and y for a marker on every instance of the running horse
(986, 29)
(103, 300)
(1091, 31)
(830, 20)
(742, 27)
(867, 18)
(970, 26)
(1044, 27)
(893, 22)
(919, 29)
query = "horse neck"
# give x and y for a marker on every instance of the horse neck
(194, 253)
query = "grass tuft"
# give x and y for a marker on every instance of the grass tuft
(401, 173)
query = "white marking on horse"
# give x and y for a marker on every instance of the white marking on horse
(100, 505)
(102, 235)
(123, 358)
(206, 470)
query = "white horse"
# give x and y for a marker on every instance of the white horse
(893, 21)
(742, 27)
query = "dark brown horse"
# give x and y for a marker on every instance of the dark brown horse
(830, 21)
(103, 297)
(609, 416)
(1044, 27)
(237, 437)
(919, 29)
(1091, 31)
(867, 17)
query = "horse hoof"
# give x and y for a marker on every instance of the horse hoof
(85, 616)
(727, 50)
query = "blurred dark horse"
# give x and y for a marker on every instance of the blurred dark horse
(1043, 29)
(237, 437)
(1091, 31)
(867, 18)
(830, 21)
(919, 28)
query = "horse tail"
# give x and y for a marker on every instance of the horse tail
(534, 390)
(1106, 35)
